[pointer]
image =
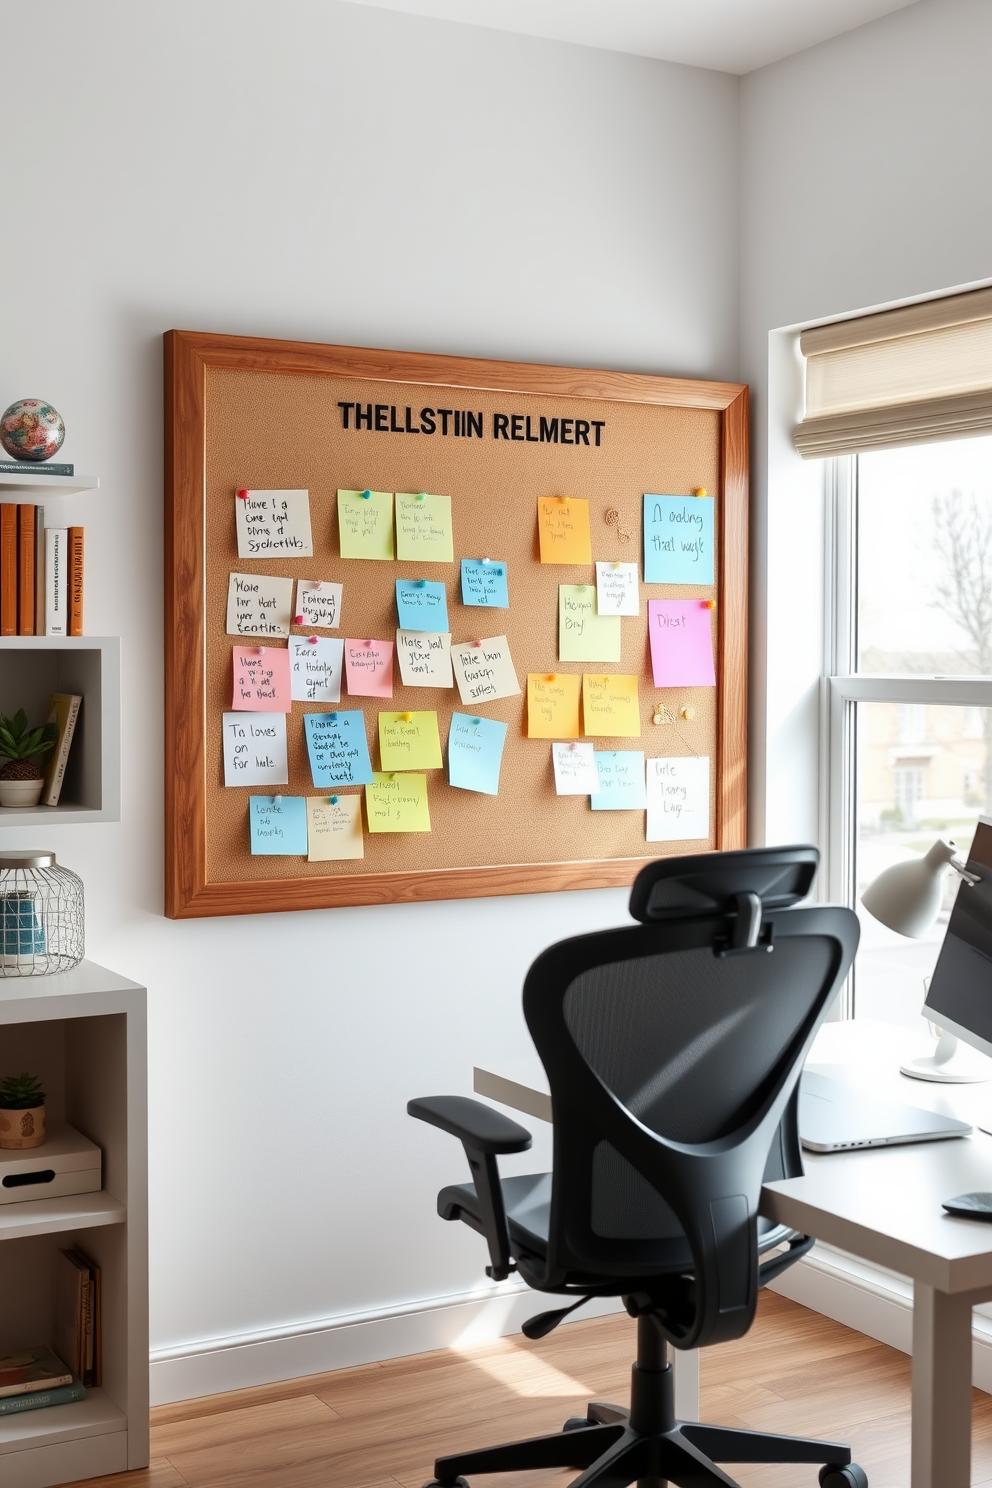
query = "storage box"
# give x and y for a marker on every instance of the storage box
(67, 1163)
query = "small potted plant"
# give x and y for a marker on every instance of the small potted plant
(22, 1112)
(21, 749)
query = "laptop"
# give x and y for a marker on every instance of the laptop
(836, 1117)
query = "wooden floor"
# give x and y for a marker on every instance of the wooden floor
(381, 1426)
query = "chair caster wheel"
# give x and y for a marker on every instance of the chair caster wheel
(448, 1483)
(851, 1476)
(576, 1423)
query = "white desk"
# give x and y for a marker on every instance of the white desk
(883, 1204)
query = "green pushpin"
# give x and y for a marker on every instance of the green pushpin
(422, 496)
(476, 722)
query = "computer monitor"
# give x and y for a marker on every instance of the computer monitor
(960, 995)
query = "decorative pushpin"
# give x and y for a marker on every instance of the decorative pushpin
(550, 677)
(688, 713)
(659, 714)
(297, 619)
(311, 640)
(366, 495)
(700, 491)
(333, 800)
(405, 717)
(709, 604)
(421, 583)
(476, 645)
(421, 495)
(242, 495)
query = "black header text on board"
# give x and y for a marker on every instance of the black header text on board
(464, 423)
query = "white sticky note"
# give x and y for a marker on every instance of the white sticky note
(259, 605)
(316, 664)
(678, 799)
(255, 749)
(575, 769)
(318, 603)
(616, 589)
(273, 524)
(484, 670)
(425, 658)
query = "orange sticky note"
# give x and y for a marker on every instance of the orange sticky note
(552, 706)
(563, 528)
(610, 708)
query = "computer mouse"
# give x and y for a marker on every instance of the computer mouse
(970, 1206)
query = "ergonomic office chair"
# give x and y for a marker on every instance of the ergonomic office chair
(673, 1049)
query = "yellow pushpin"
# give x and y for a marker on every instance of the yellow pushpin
(550, 677)
(709, 604)
(688, 713)
(700, 491)
(405, 717)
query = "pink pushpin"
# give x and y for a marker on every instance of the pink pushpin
(243, 495)
(311, 640)
(368, 643)
(297, 619)
(477, 645)
(259, 650)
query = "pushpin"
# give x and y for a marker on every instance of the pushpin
(421, 583)
(550, 677)
(277, 800)
(366, 495)
(259, 650)
(572, 746)
(476, 722)
(700, 491)
(485, 560)
(688, 713)
(583, 588)
(297, 619)
(563, 499)
(709, 604)
(476, 645)
(421, 495)
(334, 718)
(616, 565)
(311, 640)
(405, 717)
(333, 800)
(369, 643)
(242, 495)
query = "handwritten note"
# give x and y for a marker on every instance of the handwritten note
(681, 643)
(278, 826)
(563, 530)
(316, 664)
(475, 749)
(398, 803)
(421, 605)
(484, 583)
(584, 634)
(259, 605)
(273, 524)
(610, 708)
(318, 603)
(484, 671)
(423, 528)
(409, 741)
(261, 680)
(425, 658)
(575, 770)
(678, 799)
(621, 781)
(369, 668)
(678, 539)
(616, 589)
(552, 706)
(334, 828)
(339, 754)
(365, 524)
(255, 749)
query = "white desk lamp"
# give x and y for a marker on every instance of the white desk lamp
(907, 899)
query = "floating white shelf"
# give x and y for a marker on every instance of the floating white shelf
(38, 488)
(53, 1216)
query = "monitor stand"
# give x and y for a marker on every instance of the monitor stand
(951, 1063)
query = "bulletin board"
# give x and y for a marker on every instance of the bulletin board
(270, 415)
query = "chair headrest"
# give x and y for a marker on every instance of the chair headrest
(709, 883)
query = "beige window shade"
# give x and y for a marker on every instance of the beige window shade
(901, 377)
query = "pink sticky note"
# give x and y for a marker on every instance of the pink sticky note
(261, 680)
(369, 668)
(681, 643)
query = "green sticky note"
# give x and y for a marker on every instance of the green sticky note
(397, 803)
(584, 634)
(365, 524)
(423, 527)
(409, 741)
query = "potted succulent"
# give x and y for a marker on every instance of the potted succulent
(21, 772)
(22, 1112)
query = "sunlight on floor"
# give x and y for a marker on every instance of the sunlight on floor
(524, 1373)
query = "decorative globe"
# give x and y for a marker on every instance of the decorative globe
(31, 429)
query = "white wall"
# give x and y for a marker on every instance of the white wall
(329, 172)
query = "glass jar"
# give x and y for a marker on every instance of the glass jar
(41, 915)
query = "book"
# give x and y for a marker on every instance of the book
(78, 1334)
(32, 467)
(32, 1369)
(8, 569)
(56, 573)
(39, 570)
(41, 1399)
(63, 711)
(25, 569)
(75, 554)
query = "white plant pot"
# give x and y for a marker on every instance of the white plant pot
(20, 792)
(20, 1130)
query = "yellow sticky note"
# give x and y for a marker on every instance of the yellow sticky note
(423, 527)
(552, 706)
(397, 803)
(334, 828)
(583, 633)
(563, 528)
(365, 524)
(409, 741)
(610, 707)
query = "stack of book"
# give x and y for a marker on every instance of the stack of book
(41, 574)
(35, 1378)
(78, 1335)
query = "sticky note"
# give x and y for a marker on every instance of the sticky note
(273, 524)
(398, 803)
(484, 583)
(316, 664)
(255, 749)
(369, 668)
(616, 589)
(552, 706)
(621, 781)
(409, 741)
(278, 826)
(261, 680)
(421, 605)
(475, 748)
(584, 634)
(678, 799)
(339, 754)
(678, 539)
(423, 528)
(484, 671)
(425, 658)
(575, 770)
(318, 604)
(563, 530)
(365, 524)
(259, 605)
(334, 828)
(610, 708)
(680, 632)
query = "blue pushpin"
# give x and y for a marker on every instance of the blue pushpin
(366, 495)
(333, 800)
(421, 583)
(334, 718)
(476, 722)
(277, 800)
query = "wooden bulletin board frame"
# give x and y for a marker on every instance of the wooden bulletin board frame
(190, 889)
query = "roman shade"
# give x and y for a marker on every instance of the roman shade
(906, 376)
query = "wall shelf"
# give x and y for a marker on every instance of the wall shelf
(56, 1216)
(37, 488)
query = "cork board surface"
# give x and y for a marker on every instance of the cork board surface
(267, 430)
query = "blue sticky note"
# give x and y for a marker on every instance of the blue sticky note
(278, 826)
(475, 748)
(678, 539)
(484, 583)
(621, 781)
(421, 605)
(338, 749)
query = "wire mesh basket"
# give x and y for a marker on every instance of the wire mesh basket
(41, 915)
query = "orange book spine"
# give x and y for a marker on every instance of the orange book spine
(25, 573)
(8, 569)
(75, 581)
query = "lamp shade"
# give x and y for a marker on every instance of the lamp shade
(908, 896)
